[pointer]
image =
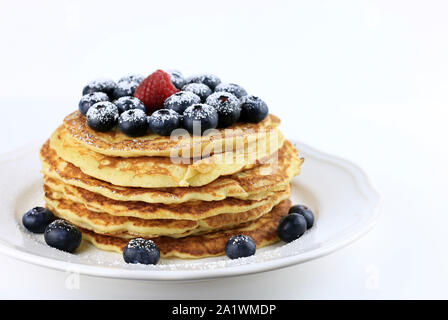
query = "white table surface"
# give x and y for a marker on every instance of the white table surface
(361, 79)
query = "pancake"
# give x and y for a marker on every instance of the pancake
(104, 223)
(263, 231)
(252, 184)
(114, 143)
(161, 172)
(192, 210)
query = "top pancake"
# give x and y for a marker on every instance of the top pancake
(114, 143)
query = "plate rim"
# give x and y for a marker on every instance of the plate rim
(364, 185)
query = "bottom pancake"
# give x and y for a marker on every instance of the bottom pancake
(262, 230)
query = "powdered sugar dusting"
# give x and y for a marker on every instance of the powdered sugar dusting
(164, 115)
(208, 79)
(200, 112)
(127, 85)
(223, 102)
(233, 88)
(141, 243)
(36, 211)
(127, 103)
(61, 224)
(184, 97)
(132, 78)
(103, 112)
(198, 88)
(240, 239)
(95, 97)
(99, 85)
(101, 82)
(177, 78)
(132, 115)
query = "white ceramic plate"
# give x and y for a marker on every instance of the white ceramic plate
(340, 192)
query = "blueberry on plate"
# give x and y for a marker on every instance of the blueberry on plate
(240, 246)
(236, 90)
(291, 227)
(177, 78)
(305, 212)
(297, 208)
(62, 235)
(253, 109)
(102, 116)
(200, 117)
(141, 251)
(133, 123)
(199, 89)
(181, 100)
(127, 103)
(227, 106)
(37, 219)
(164, 121)
(124, 88)
(209, 80)
(133, 77)
(101, 85)
(90, 99)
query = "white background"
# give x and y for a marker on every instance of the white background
(366, 80)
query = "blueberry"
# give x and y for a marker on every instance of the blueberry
(133, 77)
(37, 219)
(181, 100)
(227, 106)
(291, 227)
(253, 109)
(200, 117)
(124, 88)
(209, 80)
(309, 217)
(164, 121)
(101, 85)
(199, 89)
(177, 78)
(62, 235)
(90, 99)
(305, 212)
(232, 88)
(127, 103)
(142, 251)
(240, 246)
(102, 116)
(297, 208)
(133, 123)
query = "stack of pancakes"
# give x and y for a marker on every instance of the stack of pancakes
(189, 194)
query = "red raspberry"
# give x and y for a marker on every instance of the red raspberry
(154, 90)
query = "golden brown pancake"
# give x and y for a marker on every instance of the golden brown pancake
(114, 143)
(192, 210)
(160, 172)
(262, 230)
(252, 184)
(103, 223)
